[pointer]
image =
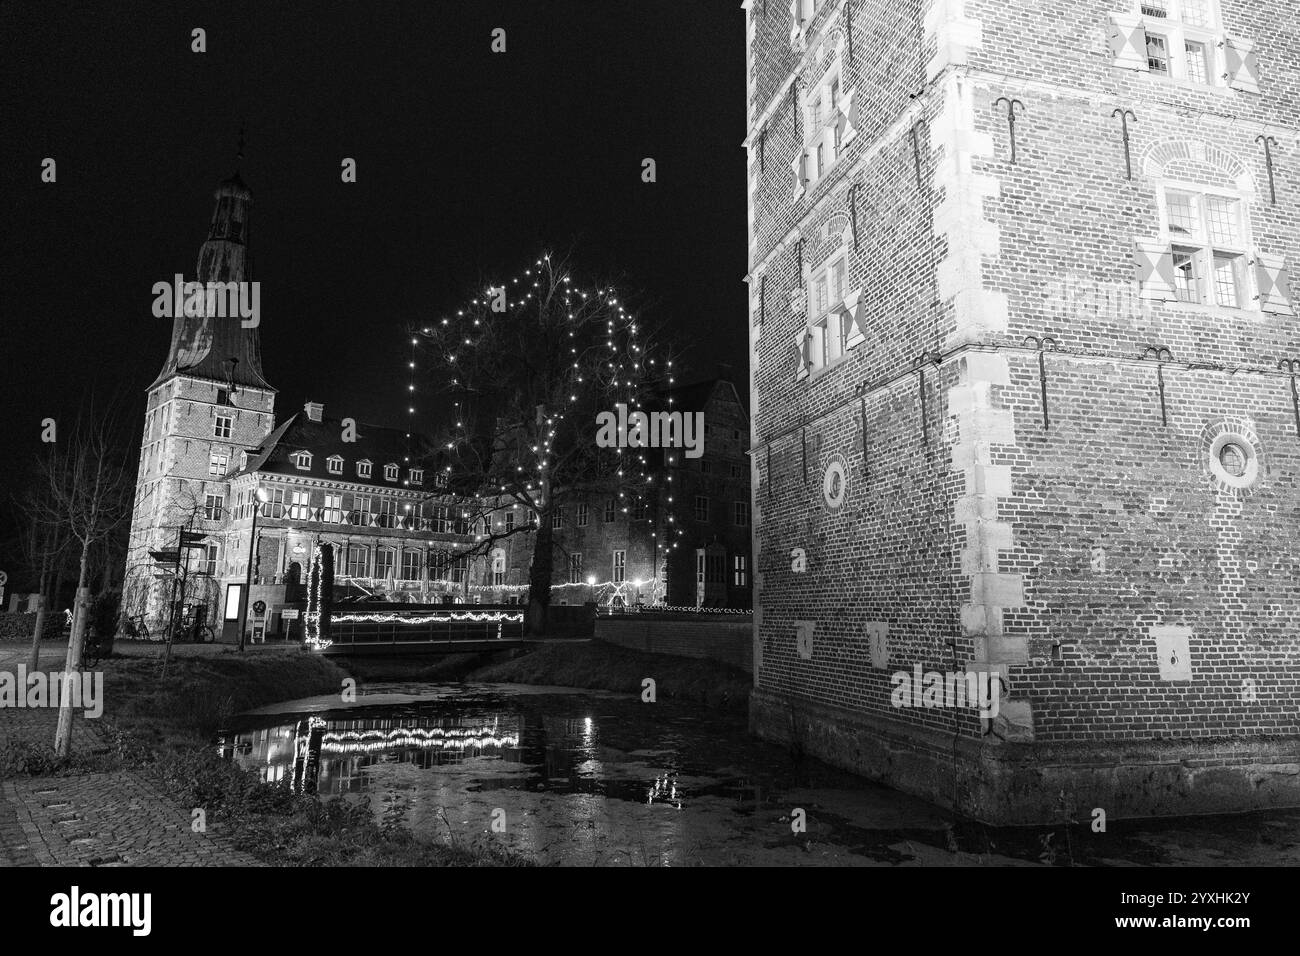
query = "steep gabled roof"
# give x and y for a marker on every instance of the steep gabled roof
(324, 439)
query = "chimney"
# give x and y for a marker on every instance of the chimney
(314, 410)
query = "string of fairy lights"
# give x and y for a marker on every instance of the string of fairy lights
(621, 379)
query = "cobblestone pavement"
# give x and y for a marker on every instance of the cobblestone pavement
(117, 818)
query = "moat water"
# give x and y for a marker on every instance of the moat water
(580, 777)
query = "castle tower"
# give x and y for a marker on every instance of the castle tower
(1023, 345)
(209, 404)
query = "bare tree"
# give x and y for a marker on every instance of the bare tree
(526, 367)
(86, 490)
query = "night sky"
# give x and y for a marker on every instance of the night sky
(469, 164)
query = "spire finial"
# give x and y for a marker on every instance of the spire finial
(239, 157)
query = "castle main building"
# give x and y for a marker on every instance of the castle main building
(1023, 399)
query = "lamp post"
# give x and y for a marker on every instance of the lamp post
(591, 588)
(259, 499)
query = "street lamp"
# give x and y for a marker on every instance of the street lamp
(259, 499)
(591, 588)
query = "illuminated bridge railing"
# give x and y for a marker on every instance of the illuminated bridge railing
(361, 629)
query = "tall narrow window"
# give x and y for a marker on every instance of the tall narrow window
(1157, 54)
(582, 515)
(333, 508)
(619, 565)
(575, 567)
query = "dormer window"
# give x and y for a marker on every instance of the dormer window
(335, 464)
(301, 460)
(363, 469)
(417, 476)
(390, 472)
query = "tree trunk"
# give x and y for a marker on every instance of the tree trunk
(539, 578)
(39, 630)
(81, 608)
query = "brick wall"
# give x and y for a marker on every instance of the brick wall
(1099, 562)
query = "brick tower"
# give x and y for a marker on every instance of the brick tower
(1022, 346)
(209, 404)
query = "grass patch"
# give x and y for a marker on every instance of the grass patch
(604, 666)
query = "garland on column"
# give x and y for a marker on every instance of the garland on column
(320, 596)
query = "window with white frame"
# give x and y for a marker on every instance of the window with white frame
(387, 513)
(619, 566)
(302, 460)
(575, 567)
(828, 125)
(274, 505)
(582, 514)
(498, 567)
(300, 507)
(417, 476)
(358, 561)
(385, 562)
(557, 519)
(335, 464)
(223, 426)
(1184, 41)
(1209, 249)
(208, 560)
(363, 469)
(218, 464)
(390, 471)
(510, 520)
(361, 510)
(333, 509)
(410, 565)
(212, 505)
(740, 571)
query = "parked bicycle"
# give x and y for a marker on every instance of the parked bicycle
(135, 628)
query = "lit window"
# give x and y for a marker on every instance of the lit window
(300, 508)
(740, 571)
(619, 566)
(223, 426)
(333, 508)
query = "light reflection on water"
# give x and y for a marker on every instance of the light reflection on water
(577, 779)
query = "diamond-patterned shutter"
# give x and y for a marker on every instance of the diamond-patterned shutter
(1243, 67)
(853, 309)
(1154, 266)
(796, 20)
(847, 122)
(1274, 285)
(803, 345)
(1128, 42)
